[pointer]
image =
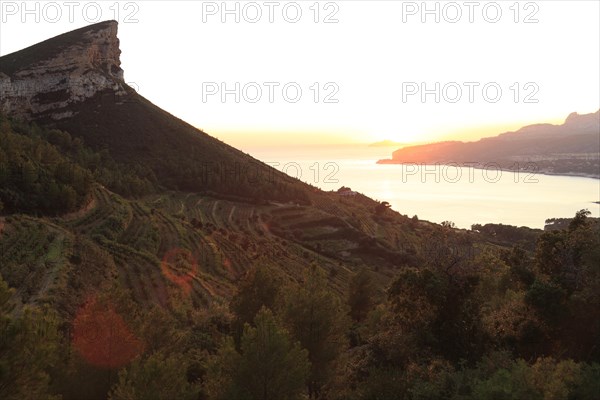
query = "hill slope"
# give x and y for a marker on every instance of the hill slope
(74, 82)
(209, 200)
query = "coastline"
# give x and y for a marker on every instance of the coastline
(480, 166)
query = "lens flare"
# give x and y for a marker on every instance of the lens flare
(102, 337)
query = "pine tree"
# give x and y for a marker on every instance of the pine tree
(270, 366)
(361, 294)
(28, 351)
(314, 316)
(258, 289)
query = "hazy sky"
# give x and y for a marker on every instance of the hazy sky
(365, 63)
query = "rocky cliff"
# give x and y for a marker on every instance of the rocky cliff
(44, 80)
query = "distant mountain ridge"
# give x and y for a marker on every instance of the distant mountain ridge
(572, 148)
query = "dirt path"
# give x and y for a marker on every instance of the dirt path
(205, 285)
(230, 218)
(200, 215)
(91, 204)
(213, 214)
(53, 273)
(248, 223)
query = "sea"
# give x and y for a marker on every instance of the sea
(462, 194)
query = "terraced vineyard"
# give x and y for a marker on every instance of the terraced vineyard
(32, 258)
(139, 235)
(233, 236)
(221, 239)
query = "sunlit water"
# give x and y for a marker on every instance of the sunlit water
(464, 196)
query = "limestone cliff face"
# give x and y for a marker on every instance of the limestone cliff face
(45, 79)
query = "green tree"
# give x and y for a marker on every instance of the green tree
(29, 174)
(589, 386)
(416, 298)
(361, 293)
(258, 288)
(270, 366)
(314, 315)
(545, 379)
(580, 219)
(68, 197)
(382, 207)
(28, 351)
(448, 224)
(547, 298)
(157, 377)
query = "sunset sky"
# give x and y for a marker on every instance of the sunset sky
(376, 51)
